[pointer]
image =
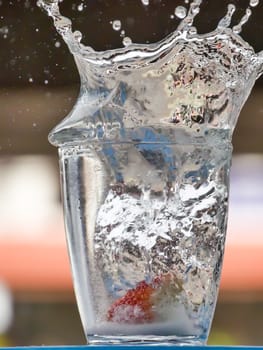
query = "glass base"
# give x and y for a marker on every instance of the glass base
(146, 340)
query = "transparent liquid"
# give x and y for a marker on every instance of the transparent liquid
(145, 157)
(147, 212)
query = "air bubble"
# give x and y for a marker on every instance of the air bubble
(180, 12)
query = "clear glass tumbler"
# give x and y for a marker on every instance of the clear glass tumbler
(145, 157)
(146, 225)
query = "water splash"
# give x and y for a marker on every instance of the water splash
(185, 27)
(226, 20)
(237, 29)
(203, 79)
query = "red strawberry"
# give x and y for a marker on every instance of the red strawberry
(141, 304)
(134, 307)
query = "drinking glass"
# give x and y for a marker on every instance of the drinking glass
(145, 204)
(145, 158)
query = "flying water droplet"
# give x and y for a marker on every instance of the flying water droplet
(253, 3)
(4, 30)
(80, 7)
(145, 2)
(116, 25)
(180, 12)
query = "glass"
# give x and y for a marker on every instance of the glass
(146, 225)
(145, 157)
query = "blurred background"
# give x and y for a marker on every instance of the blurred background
(38, 87)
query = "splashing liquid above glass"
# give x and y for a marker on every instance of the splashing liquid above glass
(208, 75)
(145, 157)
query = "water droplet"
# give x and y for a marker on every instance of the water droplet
(238, 28)
(116, 25)
(180, 12)
(4, 30)
(127, 41)
(192, 30)
(34, 125)
(31, 80)
(77, 35)
(57, 44)
(80, 7)
(145, 2)
(46, 82)
(226, 20)
(253, 3)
